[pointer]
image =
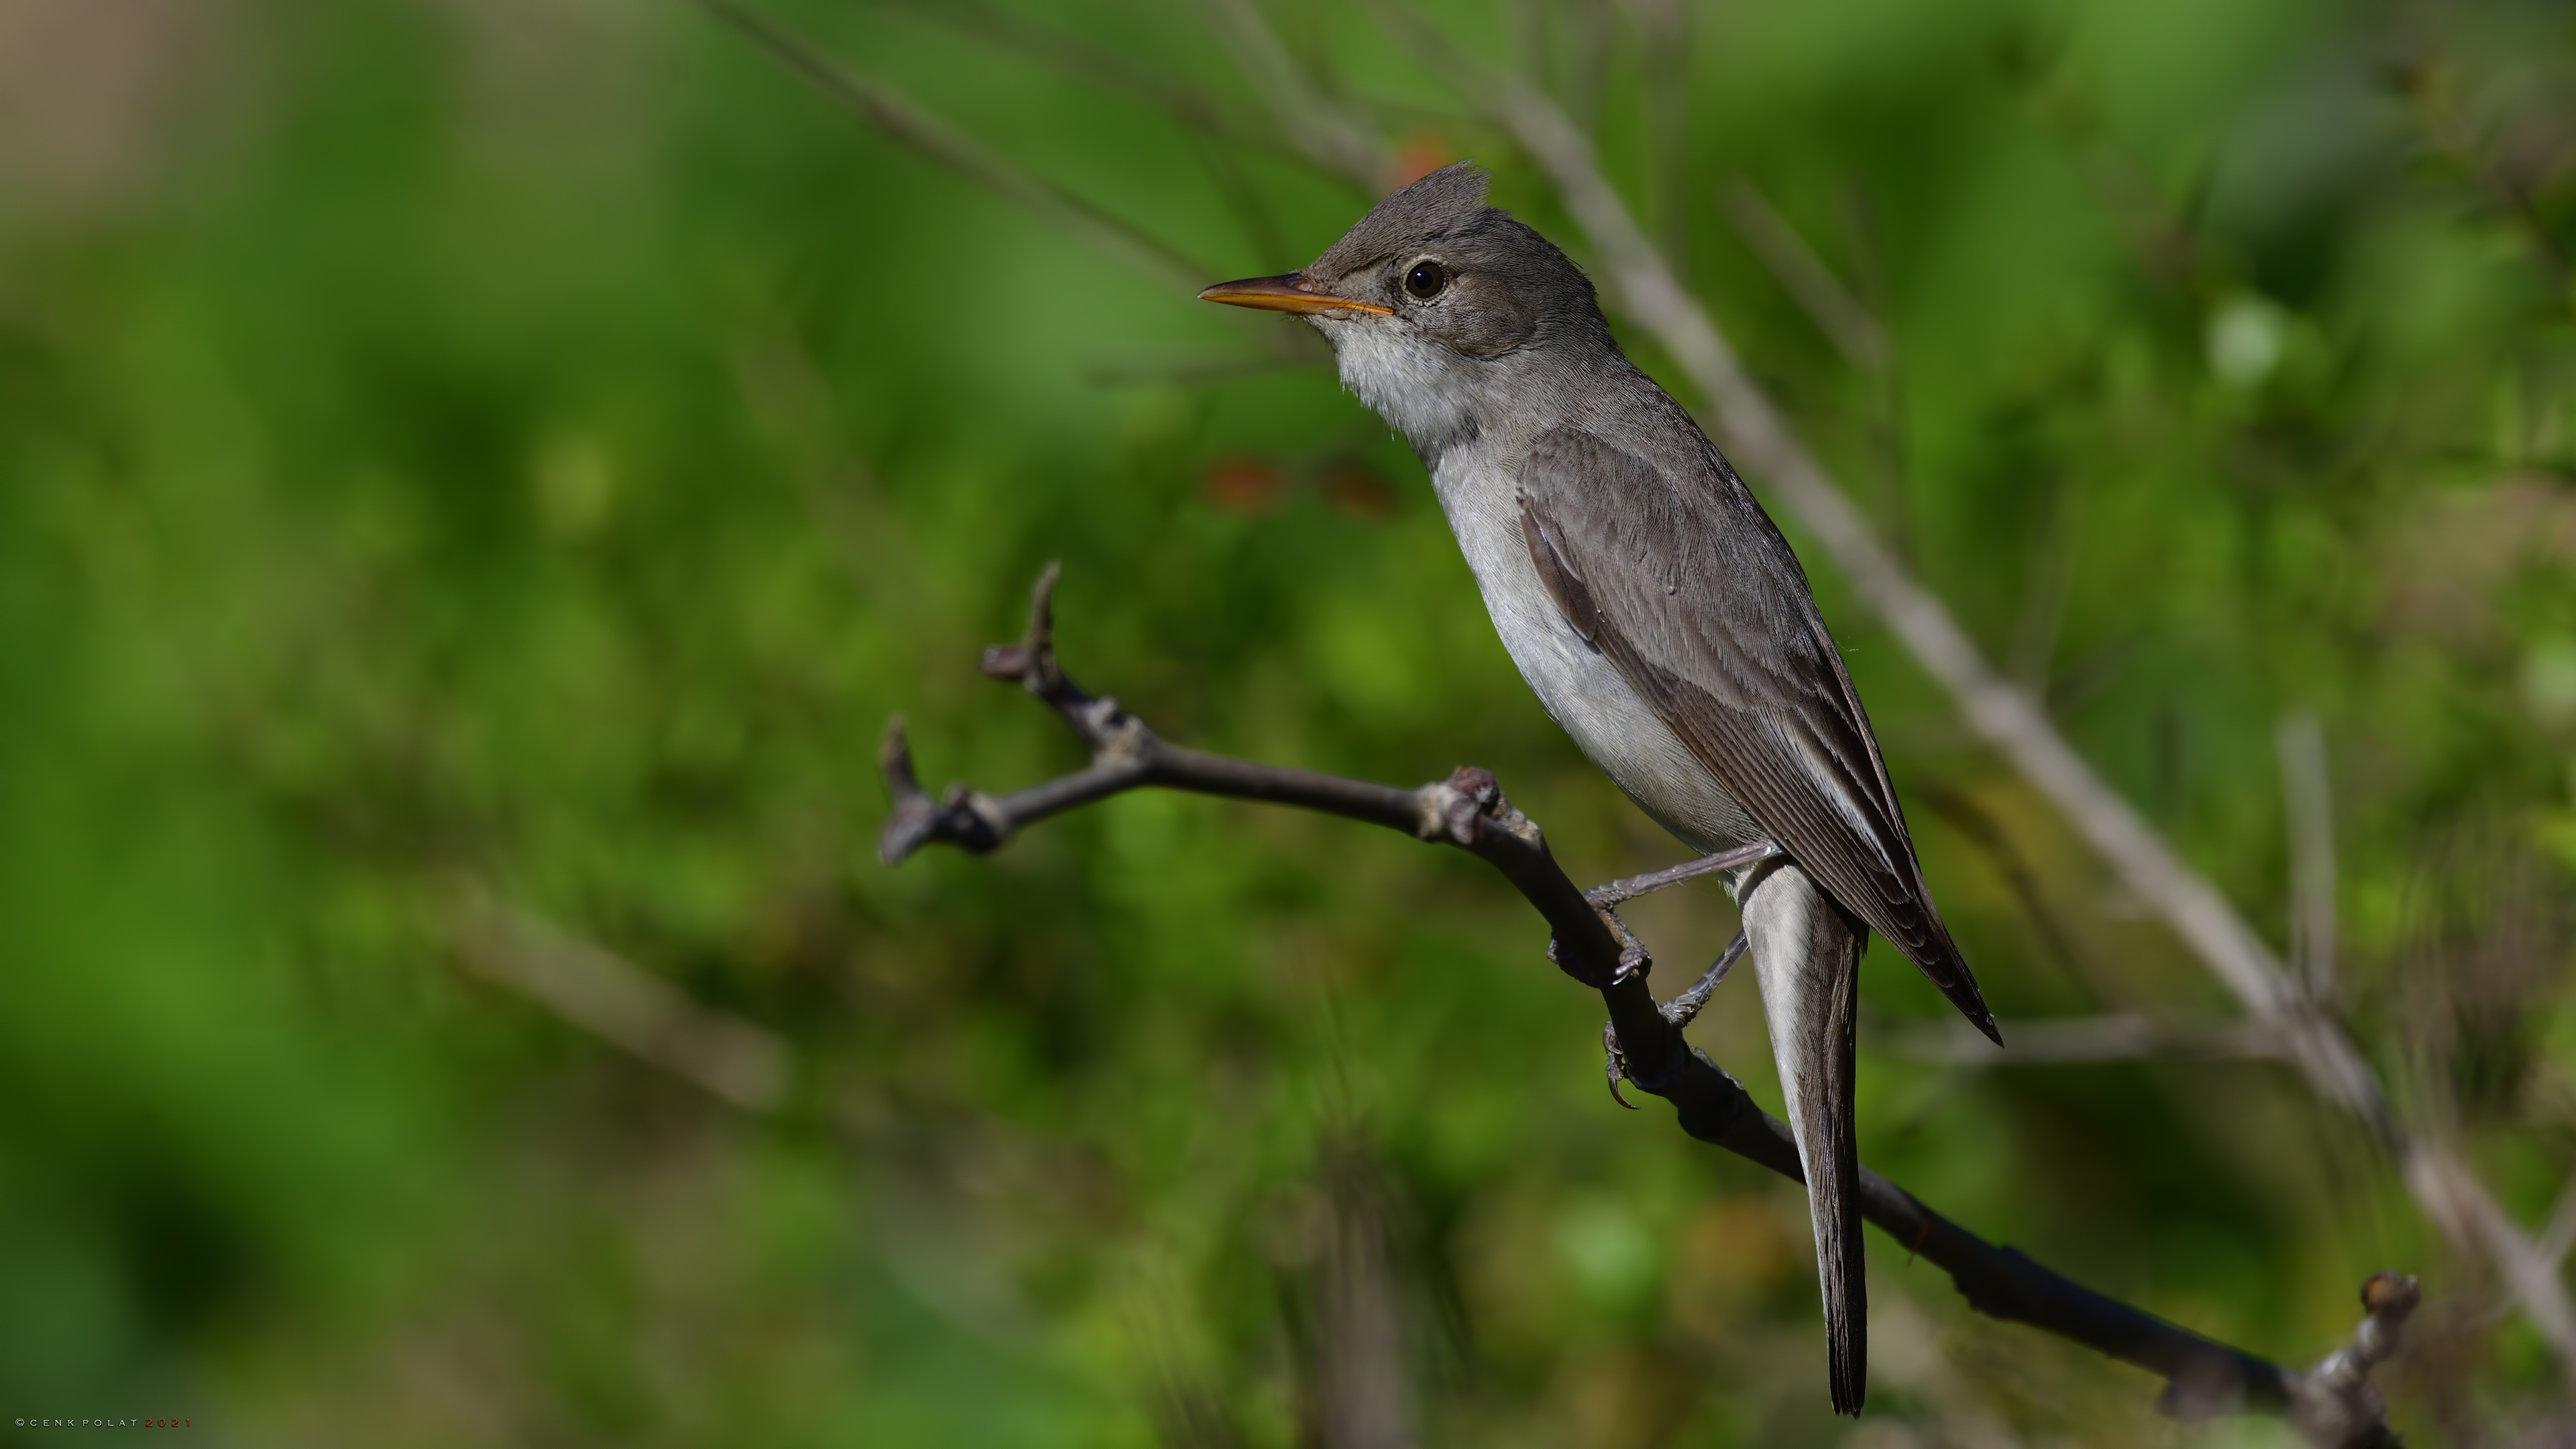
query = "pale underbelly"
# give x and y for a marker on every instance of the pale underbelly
(1586, 695)
(1615, 727)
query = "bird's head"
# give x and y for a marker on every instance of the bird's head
(1437, 307)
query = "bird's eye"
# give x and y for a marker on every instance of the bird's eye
(1426, 279)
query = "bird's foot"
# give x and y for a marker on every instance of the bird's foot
(1683, 1008)
(1607, 898)
(1615, 1063)
(1680, 1011)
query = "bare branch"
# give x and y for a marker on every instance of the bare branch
(617, 1001)
(1125, 755)
(2006, 716)
(1468, 810)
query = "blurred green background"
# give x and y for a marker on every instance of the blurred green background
(475, 476)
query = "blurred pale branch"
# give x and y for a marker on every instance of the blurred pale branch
(2120, 1037)
(899, 120)
(617, 1001)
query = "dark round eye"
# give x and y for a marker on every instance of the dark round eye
(1426, 279)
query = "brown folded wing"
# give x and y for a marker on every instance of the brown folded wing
(1688, 589)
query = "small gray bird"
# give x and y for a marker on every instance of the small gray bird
(1660, 618)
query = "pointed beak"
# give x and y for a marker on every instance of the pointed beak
(1284, 294)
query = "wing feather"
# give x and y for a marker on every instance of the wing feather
(1689, 590)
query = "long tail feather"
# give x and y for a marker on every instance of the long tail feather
(1806, 955)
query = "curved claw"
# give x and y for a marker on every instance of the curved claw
(1616, 1065)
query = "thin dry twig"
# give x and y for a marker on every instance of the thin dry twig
(896, 117)
(1122, 241)
(1468, 810)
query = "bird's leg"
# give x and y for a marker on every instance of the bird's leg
(1613, 1065)
(1680, 1011)
(1683, 1008)
(1608, 898)
(1619, 892)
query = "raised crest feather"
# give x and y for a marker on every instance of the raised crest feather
(1449, 201)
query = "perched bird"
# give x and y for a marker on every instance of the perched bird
(1662, 621)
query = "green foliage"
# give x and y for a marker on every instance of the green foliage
(448, 444)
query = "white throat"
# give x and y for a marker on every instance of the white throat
(1422, 389)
